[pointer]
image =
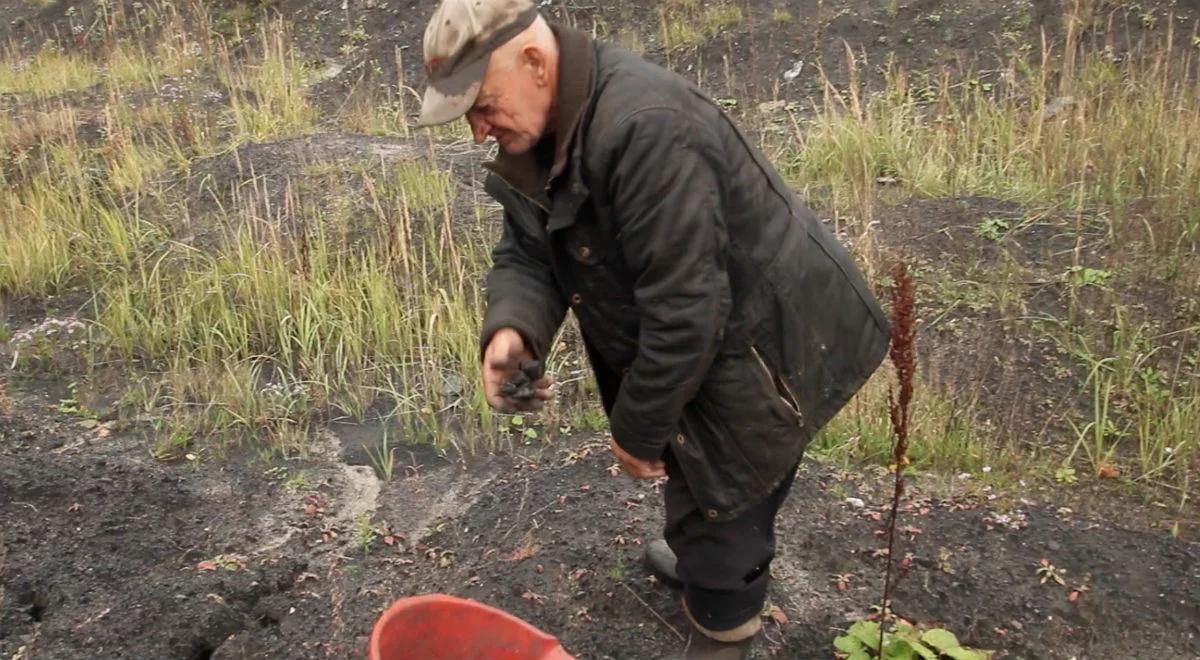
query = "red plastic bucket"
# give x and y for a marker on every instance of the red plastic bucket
(441, 627)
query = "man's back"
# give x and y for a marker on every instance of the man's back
(770, 239)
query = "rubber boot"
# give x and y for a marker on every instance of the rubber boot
(660, 559)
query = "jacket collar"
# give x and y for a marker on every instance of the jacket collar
(576, 69)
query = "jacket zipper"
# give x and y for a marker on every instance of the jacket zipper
(781, 388)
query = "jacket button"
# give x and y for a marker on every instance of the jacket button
(680, 439)
(576, 299)
(712, 513)
(585, 252)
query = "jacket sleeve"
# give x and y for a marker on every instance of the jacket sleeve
(521, 292)
(664, 190)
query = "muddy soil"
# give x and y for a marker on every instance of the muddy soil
(777, 49)
(105, 552)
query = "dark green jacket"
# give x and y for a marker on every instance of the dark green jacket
(721, 318)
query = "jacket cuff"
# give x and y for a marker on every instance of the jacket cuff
(510, 314)
(635, 441)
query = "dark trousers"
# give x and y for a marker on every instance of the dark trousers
(724, 566)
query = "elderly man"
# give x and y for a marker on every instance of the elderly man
(724, 324)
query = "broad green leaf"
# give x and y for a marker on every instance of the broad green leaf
(960, 653)
(899, 650)
(859, 655)
(866, 632)
(940, 639)
(848, 644)
(924, 651)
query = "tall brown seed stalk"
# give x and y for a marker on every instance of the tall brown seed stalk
(903, 356)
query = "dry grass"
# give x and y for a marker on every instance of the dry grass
(371, 306)
(49, 72)
(294, 318)
(1116, 142)
(53, 71)
(267, 95)
(686, 24)
(1116, 137)
(945, 435)
(321, 324)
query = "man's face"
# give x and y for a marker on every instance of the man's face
(514, 103)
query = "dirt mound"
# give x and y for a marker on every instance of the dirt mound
(99, 550)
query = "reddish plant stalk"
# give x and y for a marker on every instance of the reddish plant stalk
(903, 356)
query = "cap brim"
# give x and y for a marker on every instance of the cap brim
(449, 98)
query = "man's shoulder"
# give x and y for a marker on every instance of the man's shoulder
(628, 84)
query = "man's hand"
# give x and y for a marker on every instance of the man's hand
(501, 360)
(636, 467)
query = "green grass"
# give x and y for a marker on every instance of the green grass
(679, 34)
(1106, 136)
(58, 232)
(299, 312)
(721, 17)
(48, 72)
(946, 435)
(52, 71)
(131, 64)
(267, 96)
(1115, 142)
(355, 290)
(685, 24)
(1144, 403)
(338, 323)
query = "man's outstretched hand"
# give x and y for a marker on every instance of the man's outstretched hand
(502, 360)
(636, 467)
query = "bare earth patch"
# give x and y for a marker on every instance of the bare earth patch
(108, 550)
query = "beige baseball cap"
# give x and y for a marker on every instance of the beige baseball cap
(459, 41)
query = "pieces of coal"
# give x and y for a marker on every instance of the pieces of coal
(520, 385)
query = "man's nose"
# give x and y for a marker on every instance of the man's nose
(479, 129)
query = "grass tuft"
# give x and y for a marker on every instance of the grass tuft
(719, 18)
(1117, 136)
(267, 96)
(685, 25)
(50, 71)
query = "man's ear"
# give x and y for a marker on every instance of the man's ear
(535, 60)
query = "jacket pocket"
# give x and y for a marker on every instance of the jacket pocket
(746, 435)
(781, 389)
